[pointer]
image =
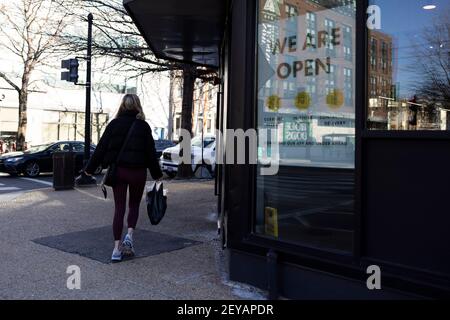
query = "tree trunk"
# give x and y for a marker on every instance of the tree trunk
(98, 127)
(170, 120)
(185, 169)
(23, 103)
(188, 98)
(23, 120)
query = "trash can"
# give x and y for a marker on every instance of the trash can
(63, 170)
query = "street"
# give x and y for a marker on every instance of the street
(14, 186)
(11, 187)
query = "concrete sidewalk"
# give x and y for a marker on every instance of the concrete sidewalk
(29, 270)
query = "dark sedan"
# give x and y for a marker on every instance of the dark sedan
(39, 159)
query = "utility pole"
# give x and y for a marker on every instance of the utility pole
(84, 179)
(87, 127)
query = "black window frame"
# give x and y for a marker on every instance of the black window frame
(245, 238)
(239, 181)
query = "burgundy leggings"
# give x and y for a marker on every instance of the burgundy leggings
(134, 179)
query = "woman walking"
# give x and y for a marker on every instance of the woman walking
(138, 155)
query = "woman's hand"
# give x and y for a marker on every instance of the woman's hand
(89, 175)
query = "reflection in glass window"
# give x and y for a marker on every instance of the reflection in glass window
(409, 67)
(78, 147)
(348, 86)
(306, 92)
(61, 147)
(348, 43)
(311, 34)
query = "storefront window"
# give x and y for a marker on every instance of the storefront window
(409, 66)
(306, 67)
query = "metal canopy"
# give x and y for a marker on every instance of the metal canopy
(188, 31)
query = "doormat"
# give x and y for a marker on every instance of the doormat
(97, 244)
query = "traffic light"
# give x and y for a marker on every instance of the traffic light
(72, 74)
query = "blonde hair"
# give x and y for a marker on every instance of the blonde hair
(131, 102)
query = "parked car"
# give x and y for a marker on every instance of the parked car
(161, 145)
(39, 159)
(170, 166)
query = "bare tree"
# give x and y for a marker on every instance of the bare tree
(99, 124)
(31, 31)
(116, 35)
(432, 63)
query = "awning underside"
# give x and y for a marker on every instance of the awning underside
(186, 31)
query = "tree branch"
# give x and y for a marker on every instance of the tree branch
(12, 84)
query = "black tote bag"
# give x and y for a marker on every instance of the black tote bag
(156, 203)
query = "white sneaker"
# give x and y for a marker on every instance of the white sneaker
(116, 256)
(127, 247)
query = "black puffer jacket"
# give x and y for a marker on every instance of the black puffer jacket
(138, 153)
